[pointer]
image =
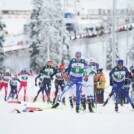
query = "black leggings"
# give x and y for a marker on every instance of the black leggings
(59, 83)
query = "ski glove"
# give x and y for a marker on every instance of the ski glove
(67, 78)
(85, 78)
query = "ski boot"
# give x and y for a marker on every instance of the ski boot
(71, 102)
(90, 108)
(5, 98)
(116, 108)
(83, 103)
(132, 105)
(77, 110)
(24, 99)
(55, 105)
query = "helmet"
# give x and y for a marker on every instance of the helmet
(120, 62)
(61, 66)
(78, 53)
(24, 70)
(91, 60)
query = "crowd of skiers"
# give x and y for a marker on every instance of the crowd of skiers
(84, 81)
(6, 80)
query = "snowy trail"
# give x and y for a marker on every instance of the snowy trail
(103, 121)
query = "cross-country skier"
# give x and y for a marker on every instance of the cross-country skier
(47, 71)
(13, 84)
(88, 85)
(74, 77)
(41, 86)
(59, 81)
(127, 81)
(5, 81)
(24, 74)
(117, 79)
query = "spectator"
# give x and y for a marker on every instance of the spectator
(100, 81)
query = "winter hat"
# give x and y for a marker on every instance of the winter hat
(120, 62)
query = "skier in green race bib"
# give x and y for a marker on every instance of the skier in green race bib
(74, 77)
(88, 86)
(118, 77)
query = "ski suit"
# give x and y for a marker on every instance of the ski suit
(41, 86)
(75, 72)
(118, 76)
(13, 85)
(23, 84)
(59, 82)
(47, 71)
(5, 80)
(88, 86)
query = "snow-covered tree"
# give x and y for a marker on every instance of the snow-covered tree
(109, 54)
(131, 52)
(49, 39)
(56, 32)
(36, 37)
(2, 26)
(116, 52)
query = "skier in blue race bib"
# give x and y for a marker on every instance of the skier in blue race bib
(13, 85)
(118, 77)
(74, 77)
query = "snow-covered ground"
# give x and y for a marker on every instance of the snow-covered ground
(65, 121)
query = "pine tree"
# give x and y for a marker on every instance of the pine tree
(36, 38)
(116, 52)
(109, 54)
(66, 50)
(48, 34)
(2, 56)
(56, 32)
(131, 52)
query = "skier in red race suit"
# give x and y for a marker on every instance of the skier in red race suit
(5, 79)
(24, 74)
